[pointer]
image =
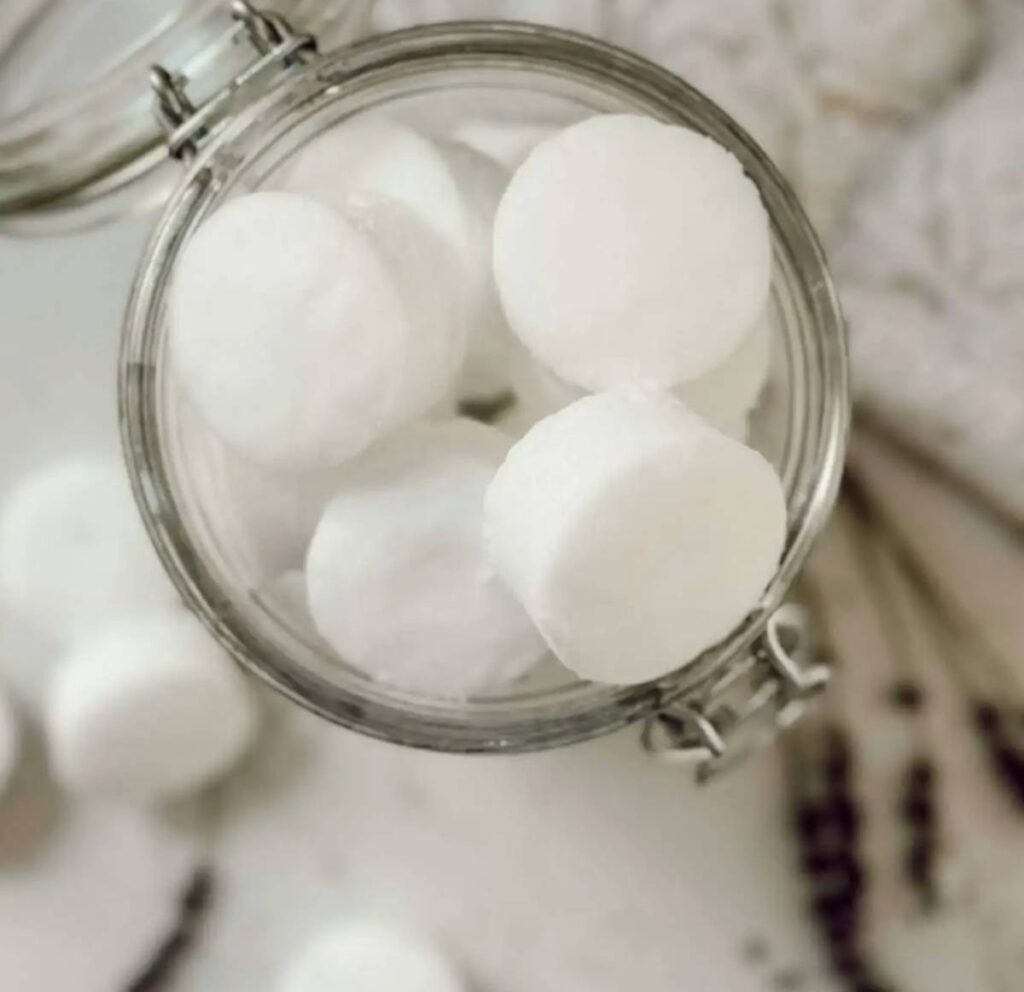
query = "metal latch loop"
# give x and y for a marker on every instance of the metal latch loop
(279, 47)
(733, 712)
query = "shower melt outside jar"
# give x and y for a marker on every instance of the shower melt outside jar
(428, 77)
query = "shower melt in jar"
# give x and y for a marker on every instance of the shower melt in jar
(350, 271)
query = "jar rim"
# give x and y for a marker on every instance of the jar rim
(359, 66)
(94, 142)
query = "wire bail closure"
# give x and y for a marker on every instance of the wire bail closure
(278, 45)
(729, 715)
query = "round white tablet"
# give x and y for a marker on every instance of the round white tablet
(397, 580)
(73, 550)
(376, 156)
(451, 189)
(371, 956)
(10, 735)
(631, 251)
(290, 333)
(428, 281)
(260, 518)
(635, 534)
(146, 708)
(508, 142)
(482, 181)
(538, 391)
(723, 396)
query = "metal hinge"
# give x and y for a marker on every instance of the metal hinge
(278, 46)
(723, 719)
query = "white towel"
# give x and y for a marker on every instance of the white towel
(932, 276)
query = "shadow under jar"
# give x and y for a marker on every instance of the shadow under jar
(428, 77)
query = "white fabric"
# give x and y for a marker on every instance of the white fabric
(819, 83)
(932, 273)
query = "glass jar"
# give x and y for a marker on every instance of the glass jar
(424, 75)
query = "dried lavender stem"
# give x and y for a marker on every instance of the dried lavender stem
(865, 423)
(996, 713)
(193, 906)
(826, 821)
(916, 805)
(958, 627)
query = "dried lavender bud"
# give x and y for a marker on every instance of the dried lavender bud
(841, 931)
(1009, 764)
(199, 893)
(832, 835)
(919, 864)
(162, 964)
(848, 963)
(1005, 757)
(838, 763)
(832, 905)
(986, 717)
(906, 695)
(848, 880)
(842, 815)
(918, 811)
(195, 901)
(808, 820)
(922, 773)
(820, 862)
(827, 822)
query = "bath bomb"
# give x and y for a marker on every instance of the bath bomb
(148, 707)
(259, 517)
(482, 181)
(379, 157)
(371, 956)
(452, 190)
(293, 334)
(635, 535)
(538, 391)
(723, 396)
(10, 735)
(507, 142)
(429, 283)
(73, 549)
(396, 575)
(628, 251)
(376, 157)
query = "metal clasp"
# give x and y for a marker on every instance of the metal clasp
(278, 45)
(724, 718)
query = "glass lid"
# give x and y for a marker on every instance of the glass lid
(76, 110)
